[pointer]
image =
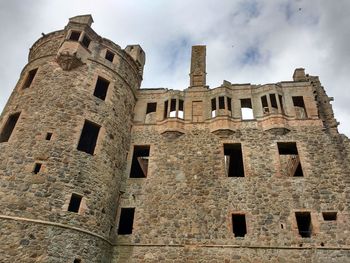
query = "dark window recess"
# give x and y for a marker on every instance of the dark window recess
(30, 78)
(247, 109)
(126, 221)
(86, 41)
(264, 101)
(37, 168)
(239, 226)
(173, 108)
(234, 160)
(74, 203)
(181, 105)
(329, 216)
(289, 159)
(213, 104)
(74, 35)
(9, 127)
(151, 107)
(109, 56)
(77, 260)
(281, 102)
(101, 88)
(166, 109)
(273, 101)
(139, 164)
(246, 103)
(221, 102)
(304, 223)
(299, 107)
(88, 137)
(48, 136)
(229, 107)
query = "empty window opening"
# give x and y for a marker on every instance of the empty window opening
(109, 56)
(229, 106)
(289, 159)
(246, 109)
(181, 109)
(151, 107)
(37, 168)
(74, 203)
(166, 109)
(233, 160)
(239, 226)
(77, 260)
(126, 221)
(172, 108)
(221, 103)
(88, 137)
(30, 78)
(48, 136)
(140, 159)
(9, 127)
(264, 104)
(213, 107)
(101, 88)
(299, 106)
(273, 101)
(304, 223)
(86, 41)
(281, 102)
(329, 216)
(74, 35)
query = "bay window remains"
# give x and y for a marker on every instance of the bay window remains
(174, 108)
(221, 106)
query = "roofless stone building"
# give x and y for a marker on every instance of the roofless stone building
(95, 169)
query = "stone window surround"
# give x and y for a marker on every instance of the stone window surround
(83, 204)
(177, 111)
(314, 223)
(220, 112)
(270, 108)
(130, 157)
(110, 86)
(248, 221)
(81, 37)
(244, 157)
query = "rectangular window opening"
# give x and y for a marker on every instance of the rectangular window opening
(74, 203)
(304, 223)
(239, 226)
(265, 105)
(221, 102)
(229, 106)
(139, 163)
(30, 78)
(166, 109)
(88, 137)
(273, 101)
(109, 56)
(101, 88)
(329, 216)
(213, 107)
(289, 159)
(74, 35)
(247, 109)
(9, 127)
(48, 136)
(37, 167)
(181, 109)
(299, 106)
(86, 41)
(233, 160)
(151, 107)
(126, 221)
(172, 108)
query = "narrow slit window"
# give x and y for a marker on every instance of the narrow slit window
(265, 105)
(221, 103)
(213, 107)
(109, 56)
(48, 136)
(166, 109)
(181, 109)
(37, 167)
(299, 107)
(101, 88)
(233, 160)
(140, 159)
(239, 226)
(74, 203)
(88, 137)
(74, 35)
(289, 159)
(229, 106)
(172, 108)
(30, 77)
(247, 109)
(126, 221)
(329, 216)
(9, 127)
(304, 223)
(273, 101)
(86, 41)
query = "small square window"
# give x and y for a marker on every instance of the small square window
(74, 35)
(109, 56)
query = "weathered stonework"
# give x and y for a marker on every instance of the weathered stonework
(184, 206)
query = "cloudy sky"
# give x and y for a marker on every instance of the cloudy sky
(248, 41)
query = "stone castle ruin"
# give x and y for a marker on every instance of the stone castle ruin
(95, 169)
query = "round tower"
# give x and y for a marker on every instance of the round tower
(64, 138)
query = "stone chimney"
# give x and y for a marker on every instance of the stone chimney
(197, 73)
(299, 75)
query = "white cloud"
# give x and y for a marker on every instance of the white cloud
(280, 35)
